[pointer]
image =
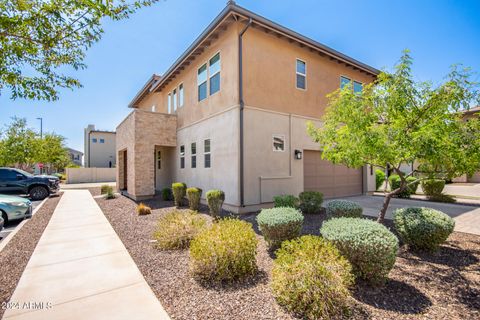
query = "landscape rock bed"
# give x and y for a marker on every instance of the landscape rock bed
(441, 285)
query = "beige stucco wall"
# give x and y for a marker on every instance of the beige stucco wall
(89, 175)
(101, 154)
(193, 110)
(222, 130)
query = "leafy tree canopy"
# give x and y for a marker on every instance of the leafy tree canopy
(38, 37)
(398, 120)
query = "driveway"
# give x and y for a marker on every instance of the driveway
(467, 218)
(465, 190)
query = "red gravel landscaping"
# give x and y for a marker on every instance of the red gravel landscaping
(443, 285)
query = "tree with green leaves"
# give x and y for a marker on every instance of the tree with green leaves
(19, 145)
(397, 120)
(53, 152)
(39, 38)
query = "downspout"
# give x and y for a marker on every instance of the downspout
(242, 107)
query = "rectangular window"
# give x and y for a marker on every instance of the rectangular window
(94, 140)
(344, 81)
(301, 74)
(357, 87)
(159, 160)
(202, 82)
(278, 142)
(194, 154)
(169, 103)
(174, 100)
(102, 140)
(154, 108)
(206, 151)
(180, 95)
(182, 157)
(214, 70)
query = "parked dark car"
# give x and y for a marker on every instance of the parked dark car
(1, 223)
(16, 181)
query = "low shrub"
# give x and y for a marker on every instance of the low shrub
(394, 181)
(224, 252)
(177, 228)
(285, 200)
(179, 190)
(433, 187)
(279, 224)
(369, 246)
(215, 200)
(110, 194)
(193, 195)
(379, 178)
(422, 228)
(143, 210)
(344, 208)
(105, 188)
(310, 202)
(311, 279)
(167, 194)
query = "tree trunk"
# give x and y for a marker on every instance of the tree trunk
(383, 211)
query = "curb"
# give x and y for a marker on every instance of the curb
(457, 202)
(9, 237)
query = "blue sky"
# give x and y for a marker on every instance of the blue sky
(439, 33)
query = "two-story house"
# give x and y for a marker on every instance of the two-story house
(231, 114)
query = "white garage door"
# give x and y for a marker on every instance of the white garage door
(331, 180)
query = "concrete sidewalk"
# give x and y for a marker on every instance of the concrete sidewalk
(81, 270)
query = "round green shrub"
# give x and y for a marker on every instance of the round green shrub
(344, 208)
(177, 228)
(310, 202)
(369, 246)
(167, 194)
(311, 278)
(215, 199)
(433, 187)
(224, 252)
(286, 200)
(179, 190)
(395, 181)
(193, 195)
(422, 228)
(104, 189)
(279, 224)
(379, 178)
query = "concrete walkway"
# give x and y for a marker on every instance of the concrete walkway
(467, 218)
(87, 185)
(81, 270)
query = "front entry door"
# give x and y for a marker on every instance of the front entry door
(125, 170)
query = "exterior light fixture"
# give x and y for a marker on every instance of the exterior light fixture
(298, 154)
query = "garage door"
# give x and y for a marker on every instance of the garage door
(475, 178)
(331, 180)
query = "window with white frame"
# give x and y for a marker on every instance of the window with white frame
(214, 71)
(278, 141)
(174, 97)
(154, 108)
(102, 140)
(344, 81)
(357, 87)
(182, 157)
(301, 72)
(193, 148)
(159, 160)
(207, 153)
(180, 95)
(202, 82)
(169, 103)
(94, 140)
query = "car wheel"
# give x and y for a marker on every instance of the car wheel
(38, 193)
(4, 217)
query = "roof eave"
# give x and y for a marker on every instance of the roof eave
(145, 89)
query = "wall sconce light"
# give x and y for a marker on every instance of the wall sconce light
(298, 154)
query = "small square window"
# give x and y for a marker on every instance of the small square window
(344, 81)
(94, 140)
(102, 140)
(278, 142)
(357, 87)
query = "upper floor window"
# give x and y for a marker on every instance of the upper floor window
(214, 70)
(194, 154)
(202, 82)
(344, 81)
(278, 142)
(207, 155)
(357, 87)
(301, 74)
(182, 157)
(169, 103)
(102, 140)
(174, 96)
(180, 95)
(94, 140)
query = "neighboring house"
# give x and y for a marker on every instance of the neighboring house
(99, 148)
(76, 156)
(231, 114)
(467, 115)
